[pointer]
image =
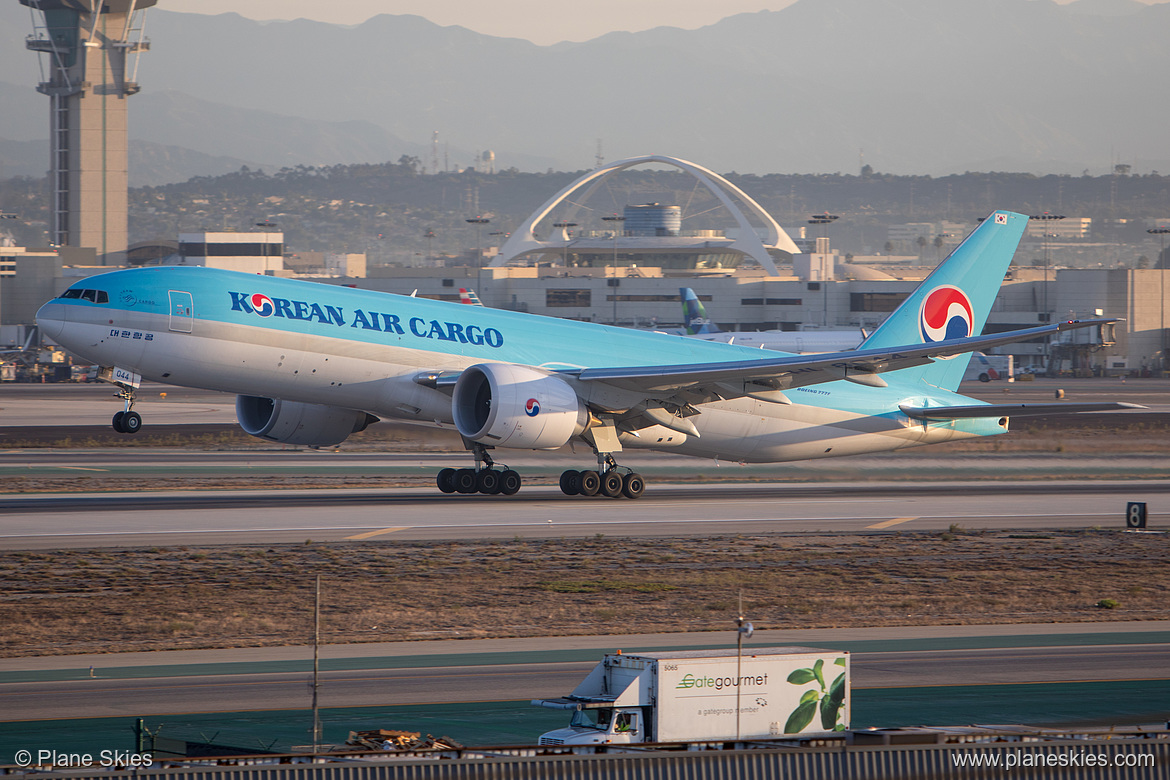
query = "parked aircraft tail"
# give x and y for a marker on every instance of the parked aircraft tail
(695, 318)
(955, 299)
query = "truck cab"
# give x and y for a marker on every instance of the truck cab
(594, 724)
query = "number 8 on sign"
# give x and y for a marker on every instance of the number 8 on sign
(1135, 514)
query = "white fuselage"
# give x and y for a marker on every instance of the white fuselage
(828, 420)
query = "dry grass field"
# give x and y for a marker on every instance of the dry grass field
(85, 601)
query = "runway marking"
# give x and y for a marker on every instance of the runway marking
(79, 468)
(379, 532)
(895, 521)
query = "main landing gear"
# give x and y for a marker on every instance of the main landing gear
(486, 479)
(127, 421)
(606, 481)
(609, 483)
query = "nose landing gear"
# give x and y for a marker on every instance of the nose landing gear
(127, 381)
(127, 421)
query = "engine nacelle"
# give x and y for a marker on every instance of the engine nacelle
(505, 405)
(293, 422)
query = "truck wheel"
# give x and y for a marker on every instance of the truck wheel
(984, 378)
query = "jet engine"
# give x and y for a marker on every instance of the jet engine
(292, 422)
(505, 405)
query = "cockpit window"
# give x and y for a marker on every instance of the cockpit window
(95, 296)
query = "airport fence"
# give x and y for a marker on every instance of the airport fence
(1071, 759)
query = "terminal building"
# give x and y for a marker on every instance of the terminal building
(253, 253)
(649, 234)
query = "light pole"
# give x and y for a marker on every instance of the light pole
(267, 224)
(1046, 217)
(505, 235)
(742, 629)
(564, 226)
(1161, 232)
(429, 236)
(479, 222)
(316, 665)
(616, 226)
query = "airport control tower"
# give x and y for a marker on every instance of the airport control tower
(89, 63)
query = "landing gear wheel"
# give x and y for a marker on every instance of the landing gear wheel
(446, 480)
(570, 482)
(509, 482)
(611, 484)
(633, 485)
(488, 482)
(132, 422)
(117, 423)
(465, 481)
(588, 483)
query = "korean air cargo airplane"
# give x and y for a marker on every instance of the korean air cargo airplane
(313, 363)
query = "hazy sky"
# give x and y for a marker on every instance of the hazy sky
(540, 21)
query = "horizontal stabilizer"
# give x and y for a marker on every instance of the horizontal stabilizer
(1011, 410)
(788, 371)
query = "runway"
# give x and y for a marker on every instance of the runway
(255, 517)
(524, 672)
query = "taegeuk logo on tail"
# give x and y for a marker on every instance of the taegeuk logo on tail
(946, 314)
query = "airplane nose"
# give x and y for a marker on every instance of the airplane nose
(51, 319)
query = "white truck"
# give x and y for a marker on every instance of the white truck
(986, 368)
(707, 696)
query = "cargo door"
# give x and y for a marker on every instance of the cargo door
(182, 311)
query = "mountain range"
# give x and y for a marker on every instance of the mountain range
(907, 86)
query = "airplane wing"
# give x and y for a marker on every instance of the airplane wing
(780, 373)
(1010, 410)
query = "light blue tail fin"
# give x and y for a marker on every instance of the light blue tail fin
(955, 299)
(694, 315)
